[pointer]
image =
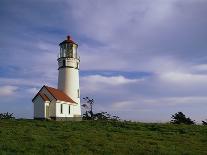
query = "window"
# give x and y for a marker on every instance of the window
(70, 53)
(78, 91)
(64, 53)
(61, 108)
(69, 109)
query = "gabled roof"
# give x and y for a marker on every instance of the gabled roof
(44, 97)
(57, 94)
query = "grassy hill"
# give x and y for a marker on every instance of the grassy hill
(86, 137)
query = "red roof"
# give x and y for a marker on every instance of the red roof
(57, 94)
(68, 40)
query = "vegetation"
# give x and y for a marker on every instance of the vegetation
(204, 122)
(6, 116)
(90, 115)
(180, 118)
(88, 105)
(100, 137)
(105, 116)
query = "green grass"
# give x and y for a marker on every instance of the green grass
(87, 137)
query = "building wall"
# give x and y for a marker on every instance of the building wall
(68, 82)
(47, 103)
(68, 118)
(52, 108)
(45, 91)
(52, 104)
(39, 107)
(77, 110)
(65, 110)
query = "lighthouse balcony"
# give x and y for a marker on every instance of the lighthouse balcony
(68, 58)
(68, 62)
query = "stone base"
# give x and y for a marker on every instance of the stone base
(67, 118)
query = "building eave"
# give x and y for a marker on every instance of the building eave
(65, 102)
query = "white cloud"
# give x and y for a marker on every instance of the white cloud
(113, 20)
(183, 78)
(174, 101)
(113, 80)
(110, 59)
(20, 81)
(46, 46)
(98, 83)
(149, 103)
(33, 90)
(154, 109)
(200, 67)
(7, 90)
(123, 105)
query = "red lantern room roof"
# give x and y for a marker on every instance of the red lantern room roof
(68, 40)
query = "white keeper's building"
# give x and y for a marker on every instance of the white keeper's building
(62, 103)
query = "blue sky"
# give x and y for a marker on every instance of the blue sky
(142, 60)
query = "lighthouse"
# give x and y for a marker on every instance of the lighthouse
(68, 66)
(63, 102)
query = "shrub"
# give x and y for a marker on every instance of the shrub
(90, 115)
(6, 116)
(105, 116)
(180, 118)
(204, 122)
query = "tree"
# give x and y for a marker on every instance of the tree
(180, 118)
(90, 115)
(204, 122)
(6, 116)
(88, 105)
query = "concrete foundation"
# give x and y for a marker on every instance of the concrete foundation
(67, 118)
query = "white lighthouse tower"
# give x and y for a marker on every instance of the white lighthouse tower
(62, 103)
(68, 78)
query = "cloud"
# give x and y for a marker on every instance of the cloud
(201, 68)
(105, 84)
(138, 23)
(122, 105)
(113, 80)
(33, 90)
(153, 109)
(7, 90)
(184, 78)
(24, 82)
(166, 39)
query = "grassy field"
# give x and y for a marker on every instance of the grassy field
(86, 137)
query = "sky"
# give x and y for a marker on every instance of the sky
(142, 60)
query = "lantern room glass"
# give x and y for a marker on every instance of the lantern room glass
(68, 50)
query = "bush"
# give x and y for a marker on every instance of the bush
(180, 118)
(90, 115)
(204, 122)
(6, 116)
(105, 116)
